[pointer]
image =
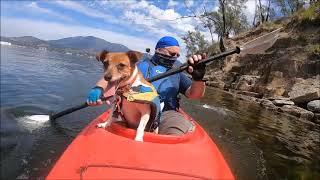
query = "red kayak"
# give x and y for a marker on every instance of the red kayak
(113, 154)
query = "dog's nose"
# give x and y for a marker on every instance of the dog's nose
(107, 77)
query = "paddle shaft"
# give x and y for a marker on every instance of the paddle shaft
(72, 109)
(68, 111)
(163, 75)
(184, 66)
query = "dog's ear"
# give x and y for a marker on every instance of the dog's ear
(101, 56)
(134, 56)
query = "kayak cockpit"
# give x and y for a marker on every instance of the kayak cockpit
(123, 131)
(120, 129)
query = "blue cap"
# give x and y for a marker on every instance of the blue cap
(167, 41)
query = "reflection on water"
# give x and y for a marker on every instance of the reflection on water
(257, 144)
(38, 82)
(275, 145)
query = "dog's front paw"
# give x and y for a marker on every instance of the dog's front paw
(156, 130)
(102, 125)
(140, 139)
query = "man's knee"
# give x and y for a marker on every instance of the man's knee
(173, 123)
(172, 131)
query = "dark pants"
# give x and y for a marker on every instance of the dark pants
(173, 123)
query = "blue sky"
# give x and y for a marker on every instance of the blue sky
(136, 24)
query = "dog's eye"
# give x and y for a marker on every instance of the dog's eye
(121, 66)
(105, 64)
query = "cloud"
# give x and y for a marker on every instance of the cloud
(163, 22)
(138, 18)
(172, 3)
(189, 2)
(91, 12)
(207, 36)
(34, 6)
(80, 8)
(49, 30)
(153, 17)
(141, 18)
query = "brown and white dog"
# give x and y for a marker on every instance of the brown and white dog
(120, 69)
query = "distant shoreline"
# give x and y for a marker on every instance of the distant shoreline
(86, 46)
(7, 44)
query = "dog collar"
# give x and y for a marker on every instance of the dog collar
(131, 80)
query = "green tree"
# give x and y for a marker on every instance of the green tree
(228, 20)
(264, 11)
(288, 7)
(195, 42)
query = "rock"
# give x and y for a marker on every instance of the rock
(217, 84)
(306, 96)
(276, 84)
(246, 82)
(267, 103)
(314, 106)
(308, 115)
(316, 118)
(213, 76)
(274, 91)
(306, 90)
(246, 98)
(280, 102)
(298, 112)
(278, 98)
(290, 110)
(248, 93)
(206, 77)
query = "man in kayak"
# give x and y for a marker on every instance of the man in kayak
(166, 54)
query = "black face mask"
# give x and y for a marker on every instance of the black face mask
(164, 60)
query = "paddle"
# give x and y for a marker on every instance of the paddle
(184, 66)
(257, 45)
(163, 75)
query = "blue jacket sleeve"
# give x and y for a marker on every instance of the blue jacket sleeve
(185, 83)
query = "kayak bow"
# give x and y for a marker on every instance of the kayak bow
(113, 154)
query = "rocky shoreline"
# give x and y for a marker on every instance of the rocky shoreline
(281, 105)
(281, 74)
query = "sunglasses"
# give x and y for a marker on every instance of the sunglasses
(172, 54)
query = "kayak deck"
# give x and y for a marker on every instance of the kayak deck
(113, 154)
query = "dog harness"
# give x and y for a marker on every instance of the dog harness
(140, 93)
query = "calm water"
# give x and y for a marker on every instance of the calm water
(256, 143)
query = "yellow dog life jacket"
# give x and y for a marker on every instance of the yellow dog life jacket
(149, 95)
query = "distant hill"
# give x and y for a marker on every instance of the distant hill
(87, 42)
(85, 45)
(28, 39)
(24, 40)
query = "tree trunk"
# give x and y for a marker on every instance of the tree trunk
(221, 44)
(261, 13)
(211, 33)
(222, 4)
(255, 14)
(268, 11)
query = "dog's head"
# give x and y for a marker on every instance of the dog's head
(118, 65)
